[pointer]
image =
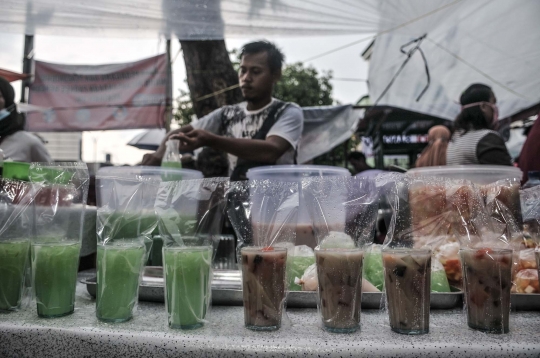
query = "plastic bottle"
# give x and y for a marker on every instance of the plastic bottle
(172, 157)
(534, 179)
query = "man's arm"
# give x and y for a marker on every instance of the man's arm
(267, 151)
(155, 158)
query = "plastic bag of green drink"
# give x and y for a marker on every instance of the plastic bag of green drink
(16, 223)
(191, 214)
(59, 208)
(125, 221)
(373, 266)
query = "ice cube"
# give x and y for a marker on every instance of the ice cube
(338, 240)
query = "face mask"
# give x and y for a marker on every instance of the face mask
(494, 119)
(4, 113)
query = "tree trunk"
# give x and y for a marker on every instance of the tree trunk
(209, 69)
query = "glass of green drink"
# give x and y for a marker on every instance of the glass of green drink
(54, 272)
(187, 273)
(13, 263)
(118, 275)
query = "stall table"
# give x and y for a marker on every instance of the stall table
(23, 334)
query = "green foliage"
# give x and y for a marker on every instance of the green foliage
(304, 86)
(184, 111)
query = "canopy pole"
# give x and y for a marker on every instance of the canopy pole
(28, 57)
(169, 107)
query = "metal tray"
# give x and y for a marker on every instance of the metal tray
(227, 291)
(525, 302)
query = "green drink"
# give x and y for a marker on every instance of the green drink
(118, 272)
(187, 284)
(13, 261)
(170, 175)
(296, 268)
(54, 269)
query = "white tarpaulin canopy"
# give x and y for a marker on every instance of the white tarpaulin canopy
(496, 42)
(189, 19)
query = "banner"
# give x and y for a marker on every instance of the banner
(116, 96)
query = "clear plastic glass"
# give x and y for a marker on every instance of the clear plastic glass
(118, 275)
(487, 282)
(340, 288)
(407, 274)
(187, 274)
(263, 283)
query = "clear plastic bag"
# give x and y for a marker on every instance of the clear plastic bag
(125, 221)
(344, 212)
(16, 224)
(191, 214)
(442, 211)
(264, 215)
(59, 208)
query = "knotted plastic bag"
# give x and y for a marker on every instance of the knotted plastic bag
(191, 214)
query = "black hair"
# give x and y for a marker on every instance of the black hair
(13, 122)
(473, 118)
(356, 156)
(275, 56)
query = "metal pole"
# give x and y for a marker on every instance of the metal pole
(28, 57)
(168, 109)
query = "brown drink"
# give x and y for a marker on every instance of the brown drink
(263, 283)
(407, 276)
(340, 288)
(487, 275)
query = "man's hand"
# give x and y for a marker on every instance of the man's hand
(194, 139)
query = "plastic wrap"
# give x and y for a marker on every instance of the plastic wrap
(16, 222)
(125, 221)
(524, 276)
(264, 215)
(344, 212)
(442, 211)
(59, 207)
(191, 214)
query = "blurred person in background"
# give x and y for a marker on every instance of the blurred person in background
(361, 168)
(213, 163)
(435, 152)
(475, 140)
(260, 131)
(529, 157)
(17, 144)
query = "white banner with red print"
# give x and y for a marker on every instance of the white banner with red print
(115, 96)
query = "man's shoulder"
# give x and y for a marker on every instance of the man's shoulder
(24, 136)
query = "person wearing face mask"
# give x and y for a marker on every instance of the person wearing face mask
(17, 144)
(475, 140)
(260, 131)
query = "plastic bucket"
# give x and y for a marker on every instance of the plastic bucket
(480, 174)
(295, 173)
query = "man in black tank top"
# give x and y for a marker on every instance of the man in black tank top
(260, 131)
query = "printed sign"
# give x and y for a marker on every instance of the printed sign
(116, 96)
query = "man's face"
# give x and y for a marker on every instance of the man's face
(256, 79)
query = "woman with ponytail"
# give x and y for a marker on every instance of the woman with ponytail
(475, 140)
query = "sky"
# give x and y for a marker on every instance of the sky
(345, 64)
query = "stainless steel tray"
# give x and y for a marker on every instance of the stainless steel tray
(227, 291)
(525, 302)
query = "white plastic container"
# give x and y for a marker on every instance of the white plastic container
(480, 174)
(295, 173)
